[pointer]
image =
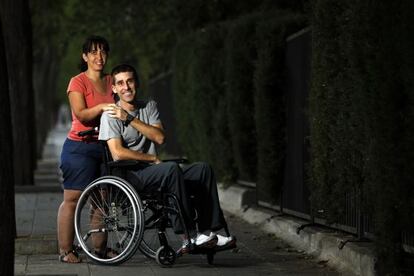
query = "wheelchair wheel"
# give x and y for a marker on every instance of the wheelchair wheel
(109, 214)
(153, 239)
(165, 256)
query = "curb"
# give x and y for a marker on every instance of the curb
(356, 258)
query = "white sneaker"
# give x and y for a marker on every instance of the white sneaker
(201, 240)
(205, 241)
(184, 248)
(222, 241)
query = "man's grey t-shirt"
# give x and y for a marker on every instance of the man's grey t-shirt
(146, 112)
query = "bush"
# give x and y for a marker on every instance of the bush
(270, 100)
(362, 117)
(200, 102)
(241, 56)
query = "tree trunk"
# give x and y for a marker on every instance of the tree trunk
(44, 85)
(15, 17)
(7, 225)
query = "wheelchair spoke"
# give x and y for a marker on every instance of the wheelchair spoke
(109, 215)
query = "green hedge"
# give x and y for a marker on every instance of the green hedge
(241, 56)
(361, 107)
(228, 85)
(199, 89)
(183, 104)
(270, 100)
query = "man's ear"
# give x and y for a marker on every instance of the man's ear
(85, 57)
(113, 89)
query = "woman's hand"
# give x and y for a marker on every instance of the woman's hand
(107, 106)
(115, 111)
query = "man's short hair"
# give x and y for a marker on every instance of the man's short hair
(121, 68)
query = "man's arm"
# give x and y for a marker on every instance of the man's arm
(153, 132)
(111, 131)
(119, 152)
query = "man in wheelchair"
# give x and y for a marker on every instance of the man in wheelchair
(132, 130)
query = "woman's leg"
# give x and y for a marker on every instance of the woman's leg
(66, 231)
(80, 165)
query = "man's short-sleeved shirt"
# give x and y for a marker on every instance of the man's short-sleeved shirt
(146, 112)
(81, 83)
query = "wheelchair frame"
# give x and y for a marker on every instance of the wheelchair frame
(128, 221)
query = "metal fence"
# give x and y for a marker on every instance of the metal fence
(295, 195)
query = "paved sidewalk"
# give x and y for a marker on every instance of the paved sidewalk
(259, 252)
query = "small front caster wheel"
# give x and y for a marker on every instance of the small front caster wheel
(165, 256)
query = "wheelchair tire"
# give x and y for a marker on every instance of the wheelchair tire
(165, 256)
(109, 211)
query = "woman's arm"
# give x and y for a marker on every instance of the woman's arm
(84, 114)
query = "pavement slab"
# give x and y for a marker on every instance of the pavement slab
(258, 252)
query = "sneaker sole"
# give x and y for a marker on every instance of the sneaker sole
(209, 244)
(230, 245)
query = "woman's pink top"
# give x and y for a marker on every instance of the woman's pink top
(81, 83)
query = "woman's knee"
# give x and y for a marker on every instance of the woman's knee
(70, 198)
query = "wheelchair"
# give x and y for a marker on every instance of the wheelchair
(111, 213)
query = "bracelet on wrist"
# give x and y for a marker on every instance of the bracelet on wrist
(128, 120)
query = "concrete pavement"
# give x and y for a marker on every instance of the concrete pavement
(260, 250)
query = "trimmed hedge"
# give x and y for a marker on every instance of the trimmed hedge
(199, 89)
(241, 56)
(225, 93)
(361, 107)
(183, 104)
(270, 101)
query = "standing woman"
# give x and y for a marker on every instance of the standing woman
(90, 94)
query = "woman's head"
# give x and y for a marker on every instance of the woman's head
(91, 45)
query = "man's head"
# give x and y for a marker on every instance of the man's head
(125, 82)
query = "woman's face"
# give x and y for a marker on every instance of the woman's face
(96, 58)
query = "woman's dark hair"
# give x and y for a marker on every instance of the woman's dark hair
(125, 68)
(91, 43)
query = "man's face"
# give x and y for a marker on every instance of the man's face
(125, 86)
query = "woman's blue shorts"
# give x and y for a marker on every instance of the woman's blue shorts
(80, 163)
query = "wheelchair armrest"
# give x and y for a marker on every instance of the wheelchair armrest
(87, 132)
(125, 163)
(134, 163)
(176, 160)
